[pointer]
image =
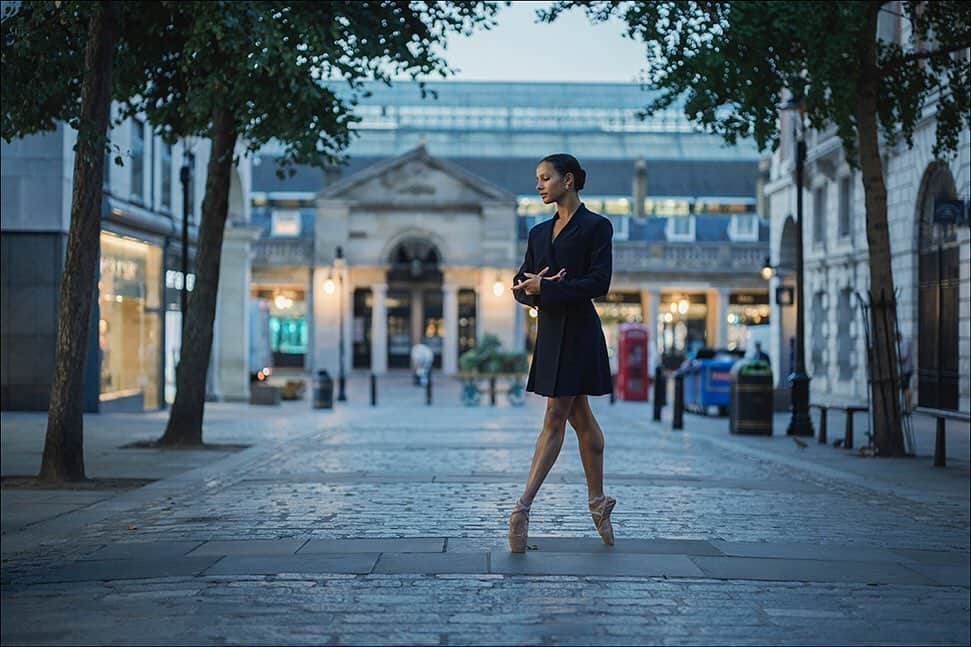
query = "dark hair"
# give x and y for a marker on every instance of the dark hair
(565, 163)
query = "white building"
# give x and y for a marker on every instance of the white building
(933, 305)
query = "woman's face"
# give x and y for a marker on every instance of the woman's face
(551, 185)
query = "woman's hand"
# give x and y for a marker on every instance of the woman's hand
(533, 282)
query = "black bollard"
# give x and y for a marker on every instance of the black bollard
(677, 416)
(658, 393)
(428, 389)
(940, 444)
(613, 387)
(374, 390)
(492, 391)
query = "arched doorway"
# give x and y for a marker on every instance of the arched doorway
(785, 300)
(937, 298)
(415, 300)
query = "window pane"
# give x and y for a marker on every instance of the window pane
(138, 158)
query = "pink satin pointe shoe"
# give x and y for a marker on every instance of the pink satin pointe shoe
(600, 509)
(519, 528)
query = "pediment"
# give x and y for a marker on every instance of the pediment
(416, 178)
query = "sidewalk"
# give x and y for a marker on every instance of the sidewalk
(387, 525)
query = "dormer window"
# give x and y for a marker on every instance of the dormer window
(681, 229)
(744, 228)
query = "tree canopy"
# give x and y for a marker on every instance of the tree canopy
(732, 62)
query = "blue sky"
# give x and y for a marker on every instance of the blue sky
(571, 49)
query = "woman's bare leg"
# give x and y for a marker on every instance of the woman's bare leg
(590, 438)
(547, 445)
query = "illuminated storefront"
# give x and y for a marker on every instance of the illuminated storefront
(130, 323)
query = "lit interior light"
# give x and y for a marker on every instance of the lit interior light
(497, 288)
(329, 286)
(668, 317)
(683, 306)
(533, 313)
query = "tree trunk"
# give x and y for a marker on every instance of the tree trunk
(64, 443)
(185, 421)
(887, 432)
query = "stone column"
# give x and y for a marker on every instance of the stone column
(651, 298)
(450, 323)
(308, 358)
(379, 329)
(348, 322)
(326, 322)
(721, 338)
(232, 325)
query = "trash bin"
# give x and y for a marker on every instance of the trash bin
(323, 391)
(714, 383)
(750, 408)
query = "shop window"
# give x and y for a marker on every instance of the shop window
(467, 323)
(129, 326)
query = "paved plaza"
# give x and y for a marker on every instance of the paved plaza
(386, 525)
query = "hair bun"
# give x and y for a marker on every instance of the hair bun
(581, 179)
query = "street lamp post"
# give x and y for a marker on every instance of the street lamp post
(339, 264)
(800, 424)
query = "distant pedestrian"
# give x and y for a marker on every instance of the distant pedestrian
(905, 351)
(422, 358)
(570, 359)
(761, 354)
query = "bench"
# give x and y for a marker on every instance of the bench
(940, 441)
(850, 409)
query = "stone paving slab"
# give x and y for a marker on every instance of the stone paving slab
(356, 563)
(806, 551)
(945, 575)
(114, 569)
(808, 570)
(935, 557)
(366, 545)
(144, 551)
(432, 563)
(223, 547)
(604, 564)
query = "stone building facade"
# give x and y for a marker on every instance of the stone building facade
(135, 333)
(930, 264)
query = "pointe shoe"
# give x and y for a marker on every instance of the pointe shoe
(519, 528)
(600, 509)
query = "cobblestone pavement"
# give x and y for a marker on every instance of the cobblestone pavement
(386, 525)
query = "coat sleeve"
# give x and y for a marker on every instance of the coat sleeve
(593, 284)
(527, 266)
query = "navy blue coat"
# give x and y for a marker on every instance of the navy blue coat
(570, 355)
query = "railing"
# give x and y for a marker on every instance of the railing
(689, 258)
(283, 252)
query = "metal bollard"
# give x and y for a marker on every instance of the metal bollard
(492, 391)
(613, 388)
(822, 426)
(677, 416)
(659, 387)
(428, 389)
(940, 445)
(374, 390)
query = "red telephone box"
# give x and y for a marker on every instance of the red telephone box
(633, 378)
